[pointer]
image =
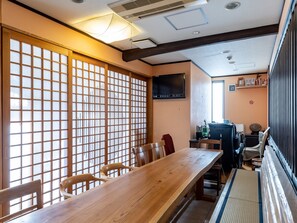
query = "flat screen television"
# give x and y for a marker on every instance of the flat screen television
(169, 86)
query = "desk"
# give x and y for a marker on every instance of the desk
(148, 194)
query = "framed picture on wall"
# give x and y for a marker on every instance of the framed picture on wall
(231, 87)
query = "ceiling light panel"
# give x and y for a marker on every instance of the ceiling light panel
(108, 28)
(187, 19)
(145, 43)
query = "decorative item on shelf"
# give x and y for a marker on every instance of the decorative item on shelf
(265, 82)
(240, 81)
(198, 132)
(258, 79)
(247, 83)
(250, 81)
(205, 130)
(257, 82)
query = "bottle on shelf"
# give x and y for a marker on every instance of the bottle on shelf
(205, 130)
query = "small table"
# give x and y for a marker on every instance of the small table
(194, 143)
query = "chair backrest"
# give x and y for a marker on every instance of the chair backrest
(210, 143)
(12, 193)
(67, 183)
(225, 132)
(169, 146)
(149, 153)
(263, 141)
(114, 169)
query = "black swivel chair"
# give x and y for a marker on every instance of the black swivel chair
(226, 132)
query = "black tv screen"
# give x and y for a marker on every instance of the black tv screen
(169, 86)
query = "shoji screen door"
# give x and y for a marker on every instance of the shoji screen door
(65, 114)
(88, 117)
(35, 115)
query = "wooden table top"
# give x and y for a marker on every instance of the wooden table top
(148, 194)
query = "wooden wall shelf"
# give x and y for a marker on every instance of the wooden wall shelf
(252, 86)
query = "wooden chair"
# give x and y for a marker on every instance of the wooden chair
(149, 153)
(114, 169)
(85, 179)
(159, 149)
(217, 167)
(169, 146)
(12, 193)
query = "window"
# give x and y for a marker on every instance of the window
(65, 114)
(88, 117)
(218, 101)
(38, 119)
(138, 113)
(118, 117)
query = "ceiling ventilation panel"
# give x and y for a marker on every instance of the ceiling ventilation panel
(132, 10)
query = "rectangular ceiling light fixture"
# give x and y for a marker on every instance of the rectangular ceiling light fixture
(145, 43)
(108, 28)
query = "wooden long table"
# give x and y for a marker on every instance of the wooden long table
(148, 194)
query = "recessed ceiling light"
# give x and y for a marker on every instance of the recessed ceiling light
(78, 1)
(196, 32)
(232, 5)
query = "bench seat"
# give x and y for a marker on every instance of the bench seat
(240, 199)
(252, 196)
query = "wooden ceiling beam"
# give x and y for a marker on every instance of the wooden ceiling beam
(134, 54)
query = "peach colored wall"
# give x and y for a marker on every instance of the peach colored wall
(39, 26)
(1, 11)
(245, 106)
(200, 98)
(179, 117)
(173, 115)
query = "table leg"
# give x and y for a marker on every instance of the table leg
(200, 191)
(200, 188)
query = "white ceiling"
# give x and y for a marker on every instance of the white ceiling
(248, 56)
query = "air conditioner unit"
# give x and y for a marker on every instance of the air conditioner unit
(132, 10)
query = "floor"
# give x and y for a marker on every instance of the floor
(199, 211)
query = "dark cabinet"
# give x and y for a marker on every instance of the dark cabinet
(251, 140)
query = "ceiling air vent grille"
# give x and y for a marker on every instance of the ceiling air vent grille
(139, 3)
(158, 10)
(136, 9)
